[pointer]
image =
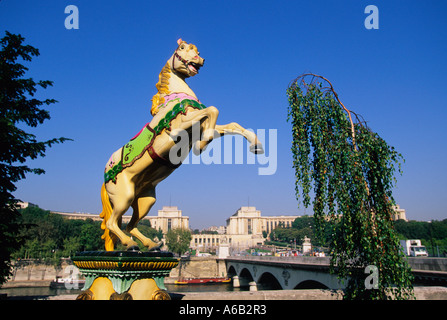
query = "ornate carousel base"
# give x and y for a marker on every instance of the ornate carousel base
(124, 275)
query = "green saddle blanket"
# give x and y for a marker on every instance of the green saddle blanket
(136, 147)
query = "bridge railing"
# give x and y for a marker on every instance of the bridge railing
(416, 264)
(295, 260)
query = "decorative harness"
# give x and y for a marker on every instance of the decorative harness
(185, 62)
(176, 55)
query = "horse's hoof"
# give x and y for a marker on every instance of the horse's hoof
(156, 247)
(256, 149)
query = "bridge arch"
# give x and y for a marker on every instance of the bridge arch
(246, 274)
(272, 273)
(231, 272)
(268, 281)
(310, 284)
(245, 277)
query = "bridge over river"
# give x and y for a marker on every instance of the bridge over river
(265, 272)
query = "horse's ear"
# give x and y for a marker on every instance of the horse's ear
(179, 41)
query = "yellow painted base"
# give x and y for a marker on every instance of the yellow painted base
(141, 289)
(146, 289)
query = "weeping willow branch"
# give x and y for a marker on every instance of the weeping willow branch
(351, 169)
(331, 88)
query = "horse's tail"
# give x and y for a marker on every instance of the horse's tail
(105, 215)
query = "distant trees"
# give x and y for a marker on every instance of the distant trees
(18, 108)
(301, 227)
(178, 240)
(422, 229)
(289, 235)
(49, 236)
(433, 234)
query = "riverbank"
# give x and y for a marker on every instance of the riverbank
(33, 272)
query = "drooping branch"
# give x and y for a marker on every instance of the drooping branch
(331, 89)
(351, 169)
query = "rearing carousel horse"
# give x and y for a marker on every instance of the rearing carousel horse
(133, 171)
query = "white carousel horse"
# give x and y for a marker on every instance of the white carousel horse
(133, 171)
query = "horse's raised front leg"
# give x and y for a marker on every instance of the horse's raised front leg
(235, 128)
(207, 119)
(141, 206)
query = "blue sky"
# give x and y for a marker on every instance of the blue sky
(105, 72)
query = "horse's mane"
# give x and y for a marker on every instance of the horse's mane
(162, 87)
(163, 83)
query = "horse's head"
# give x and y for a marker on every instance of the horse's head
(186, 59)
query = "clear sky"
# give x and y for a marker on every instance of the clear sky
(105, 72)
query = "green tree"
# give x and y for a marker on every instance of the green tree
(48, 248)
(32, 249)
(90, 236)
(71, 245)
(432, 234)
(304, 222)
(18, 108)
(178, 240)
(351, 170)
(285, 234)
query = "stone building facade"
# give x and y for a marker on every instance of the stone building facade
(245, 228)
(399, 213)
(169, 217)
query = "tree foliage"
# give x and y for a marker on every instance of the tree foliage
(301, 227)
(178, 240)
(433, 234)
(422, 229)
(46, 235)
(348, 170)
(18, 108)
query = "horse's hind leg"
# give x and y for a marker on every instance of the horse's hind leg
(120, 203)
(141, 206)
(208, 126)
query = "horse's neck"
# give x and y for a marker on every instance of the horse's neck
(178, 84)
(169, 83)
